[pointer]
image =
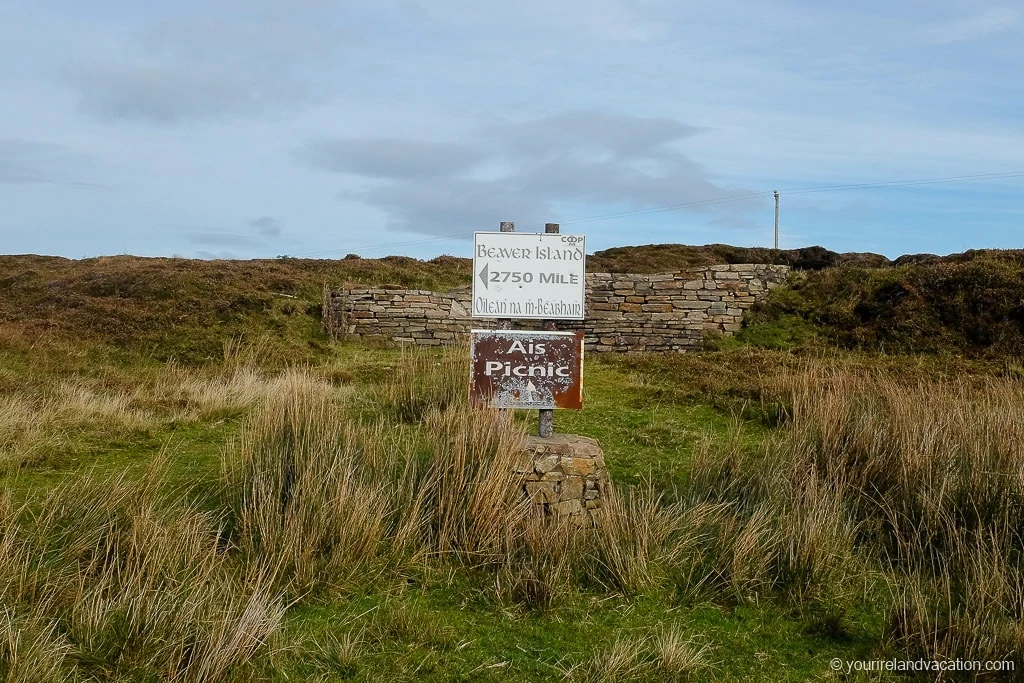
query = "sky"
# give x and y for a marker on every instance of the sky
(312, 128)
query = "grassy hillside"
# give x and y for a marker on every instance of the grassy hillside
(659, 258)
(969, 303)
(197, 485)
(185, 309)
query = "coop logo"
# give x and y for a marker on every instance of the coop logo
(572, 240)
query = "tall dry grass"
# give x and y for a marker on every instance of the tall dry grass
(914, 484)
(423, 381)
(667, 656)
(470, 495)
(310, 491)
(932, 475)
(114, 579)
(331, 501)
(44, 419)
(875, 480)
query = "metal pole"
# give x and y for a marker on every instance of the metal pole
(776, 192)
(546, 418)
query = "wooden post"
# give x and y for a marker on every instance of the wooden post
(505, 323)
(344, 314)
(326, 314)
(546, 418)
(506, 226)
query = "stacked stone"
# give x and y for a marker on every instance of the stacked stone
(413, 316)
(625, 312)
(564, 475)
(673, 311)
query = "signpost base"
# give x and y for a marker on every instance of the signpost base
(565, 476)
(545, 423)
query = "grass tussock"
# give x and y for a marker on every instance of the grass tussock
(470, 494)
(309, 490)
(667, 656)
(51, 420)
(423, 381)
(330, 501)
(875, 492)
(114, 579)
(925, 479)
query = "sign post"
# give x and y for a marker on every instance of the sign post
(533, 276)
(546, 416)
(506, 323)
(528, 275)
(525, 369)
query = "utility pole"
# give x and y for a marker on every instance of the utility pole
(776, 192)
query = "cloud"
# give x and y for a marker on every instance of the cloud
(169, 93)
(222, 238)
(258, 235)
(450, 206)
(626, 137)
(609, 161)
(991, 20)
(202, 69)
(30, 162)
(216, 255)
(389, 157)
(266, 226)
(637, 21)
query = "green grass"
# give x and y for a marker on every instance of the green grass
(469, 634)
(967, 304)
(457, 628)
(717, 429)
(651, 433)
(454, 634)
(652, 415)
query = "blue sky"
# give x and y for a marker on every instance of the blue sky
(313, 128)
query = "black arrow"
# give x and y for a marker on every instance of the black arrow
(483, 276)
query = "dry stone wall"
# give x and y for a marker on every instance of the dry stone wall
(625, 312)
(564, 475)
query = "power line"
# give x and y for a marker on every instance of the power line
(905, 183)
(694, 204)
(667, 207)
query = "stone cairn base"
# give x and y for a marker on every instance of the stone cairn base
(565, 476)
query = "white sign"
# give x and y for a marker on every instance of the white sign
(528, 275)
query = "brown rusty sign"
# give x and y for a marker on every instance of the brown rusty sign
(526, 369)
